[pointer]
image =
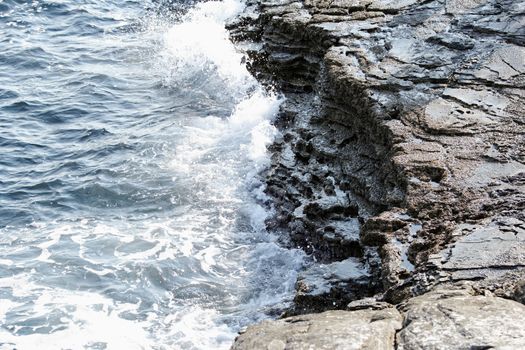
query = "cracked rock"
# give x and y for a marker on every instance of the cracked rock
(454, 319)
(348, 330)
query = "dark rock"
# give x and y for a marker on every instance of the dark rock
(453, 41)
(332, 286)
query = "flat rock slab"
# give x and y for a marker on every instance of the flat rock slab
(483, 252)
(361, 329)
(488, 246)
(457, 320)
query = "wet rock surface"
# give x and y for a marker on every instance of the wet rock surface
(402, 154)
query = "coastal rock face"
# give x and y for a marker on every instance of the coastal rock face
(403, 141)
(443, 319)
(348, 330)
(401, 164)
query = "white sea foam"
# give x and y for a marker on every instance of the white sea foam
(87, 319)
(200, 44)
(190, 280)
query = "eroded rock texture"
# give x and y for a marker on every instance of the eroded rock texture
(401, 165)
(402, 154)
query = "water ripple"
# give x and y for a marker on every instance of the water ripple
(130, 137)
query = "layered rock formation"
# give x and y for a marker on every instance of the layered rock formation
(401, 166)
(441, 320)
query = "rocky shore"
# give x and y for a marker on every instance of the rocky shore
(401, 169)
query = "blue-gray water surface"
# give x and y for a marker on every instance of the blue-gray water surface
(131, 136)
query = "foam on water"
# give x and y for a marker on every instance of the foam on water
(187, 278)
(199, 47)
(82, 320)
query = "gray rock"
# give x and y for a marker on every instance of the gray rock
(348, 330)
(519, 292)
(490, 254)
(457, 320)
(368, 303)
(499, 244)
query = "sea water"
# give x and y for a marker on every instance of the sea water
(131, 210)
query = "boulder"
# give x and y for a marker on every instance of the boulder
(455, 319)
(348, 330)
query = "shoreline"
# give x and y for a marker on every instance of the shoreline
(401, 168)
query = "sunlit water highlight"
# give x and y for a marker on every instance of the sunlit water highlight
(130, 206)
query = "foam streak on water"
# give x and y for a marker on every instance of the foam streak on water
(130, 203)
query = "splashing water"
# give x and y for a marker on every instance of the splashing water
(130, 202)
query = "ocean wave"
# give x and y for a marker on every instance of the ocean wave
(130, 210)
